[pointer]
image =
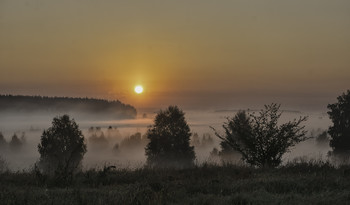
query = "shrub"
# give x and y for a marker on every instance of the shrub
(259, 138)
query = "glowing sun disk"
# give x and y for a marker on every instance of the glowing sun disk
(138, 89)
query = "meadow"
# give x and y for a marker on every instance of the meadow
(174, 102)
(302, 182)
(209, 182)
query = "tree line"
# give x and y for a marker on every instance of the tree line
(31, 104)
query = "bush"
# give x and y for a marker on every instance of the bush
(259, 138)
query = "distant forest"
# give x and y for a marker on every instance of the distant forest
(20, 104)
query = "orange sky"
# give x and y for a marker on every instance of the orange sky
(199, 53)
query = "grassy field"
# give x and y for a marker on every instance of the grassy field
(298, 183)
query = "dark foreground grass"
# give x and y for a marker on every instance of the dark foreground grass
(302, 183)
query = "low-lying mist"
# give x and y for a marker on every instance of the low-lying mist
(122, 142)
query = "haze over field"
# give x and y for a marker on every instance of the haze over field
(211, 58)
(174, 101)
(101, 152)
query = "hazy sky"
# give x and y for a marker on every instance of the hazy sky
(202, 53)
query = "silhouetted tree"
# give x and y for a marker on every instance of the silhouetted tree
(259, 138)
(214, 155)
(15, 143)
(116, 149)
(322, 139)
(91, 130)
(135, 141)
(169, 137)
(61, 147)
(98, 142)
(113, 133)
(3, 142)
(207, 140)
(195, 140)
(3, 165)
(239, 124)
(340, 130)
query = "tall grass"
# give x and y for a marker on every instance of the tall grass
(302, 182)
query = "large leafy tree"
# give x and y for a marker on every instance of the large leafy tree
(169, 136)
(62, 147)
(259, 138)
(340, 130)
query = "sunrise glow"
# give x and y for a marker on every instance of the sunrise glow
(138, 89)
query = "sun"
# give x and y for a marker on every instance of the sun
(138, 89)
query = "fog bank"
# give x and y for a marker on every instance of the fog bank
(117, 142)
